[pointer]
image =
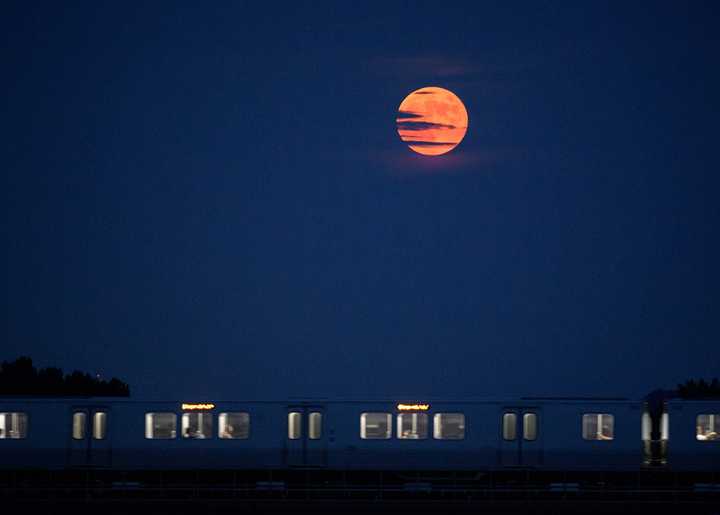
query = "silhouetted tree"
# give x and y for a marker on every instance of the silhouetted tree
(49, 379)
(699, 389)
(20, 377)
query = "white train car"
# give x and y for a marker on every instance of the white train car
(33, 433)
(539, 434)
(602, 435)
(693, 432)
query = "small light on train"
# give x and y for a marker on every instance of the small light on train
(413, 407)
(200, 406)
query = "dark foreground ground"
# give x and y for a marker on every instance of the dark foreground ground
(324, 492)
(203, 507)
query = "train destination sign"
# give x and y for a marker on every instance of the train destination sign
(413, 407)
(197, 406)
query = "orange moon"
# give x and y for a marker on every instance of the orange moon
(432, 121)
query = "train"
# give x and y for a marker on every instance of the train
(550, 434)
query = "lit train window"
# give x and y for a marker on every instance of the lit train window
(509, 426)
(78, 425)
(449, 426)
(530, 427)
(708, 427)
(99, 425)
(645, 427)
(315, 425)
(162, 426)
(598, 426)
(412, 426)
(375, 426)
(234, 426)
(13, 425)
(294, 425)
(197, 425)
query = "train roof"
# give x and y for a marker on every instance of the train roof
(321, 400)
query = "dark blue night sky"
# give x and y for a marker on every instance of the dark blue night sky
(212, 200)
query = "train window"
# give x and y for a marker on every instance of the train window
(315, 425)
(99, 425)
(78, 425)
(197, 425)
(665, 427)
(375, 426)
(13, 425)
(708, 427)
(235, 426)
(509, 423)
(530, 427)
(645, 427)
(449, 426)
(412, 426)
(598, 426)
(294, 425)
(162, 426)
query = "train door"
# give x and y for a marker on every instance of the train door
(520, 437)
(89, 442)
(306, 441)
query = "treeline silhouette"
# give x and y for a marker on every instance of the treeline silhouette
(699, 389)
(20, 377)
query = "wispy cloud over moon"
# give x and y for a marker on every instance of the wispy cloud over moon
(432, 121)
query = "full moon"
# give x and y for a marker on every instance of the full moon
(432, 121)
